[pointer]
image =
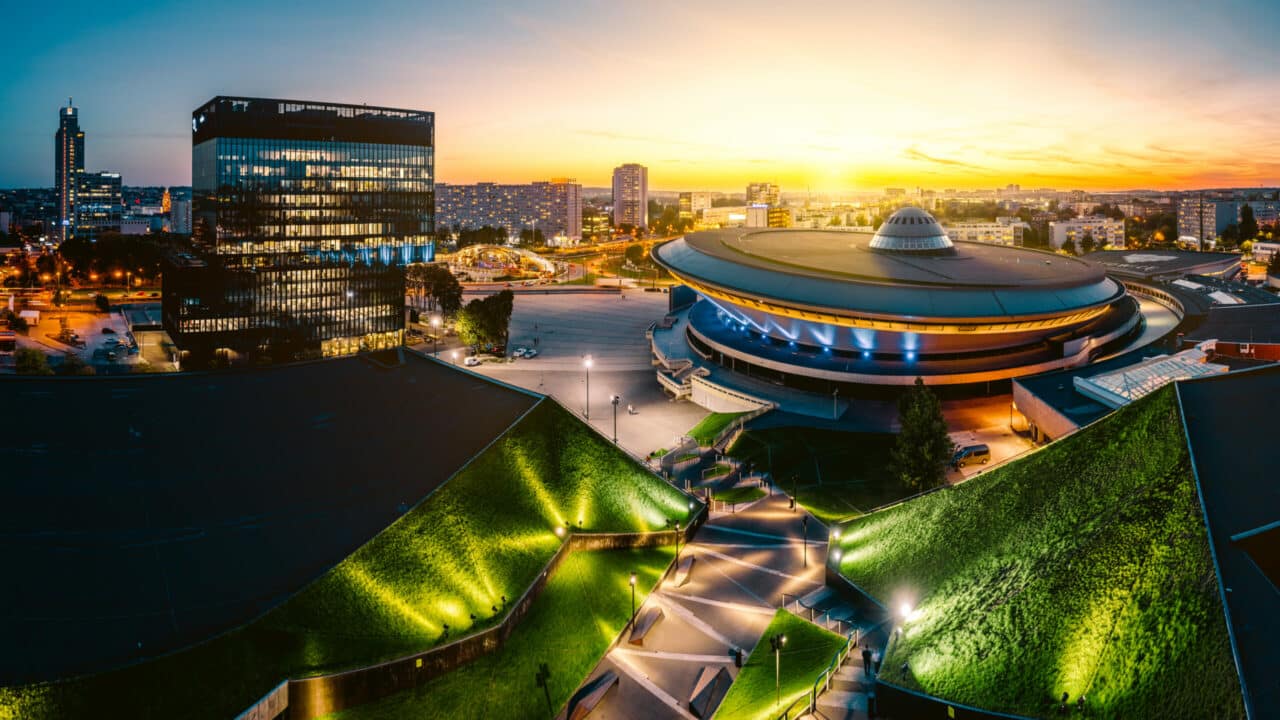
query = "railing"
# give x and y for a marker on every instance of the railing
(808, 702)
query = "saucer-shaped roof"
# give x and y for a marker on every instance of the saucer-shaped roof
(911, 230)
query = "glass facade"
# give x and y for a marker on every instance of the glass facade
(303, 218)
(99, 203)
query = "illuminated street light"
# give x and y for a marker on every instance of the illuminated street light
(435, 334)
(633, 599)
(776, 642)
(614, 400)
(454, 354)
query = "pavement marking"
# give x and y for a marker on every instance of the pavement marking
(683, 657)
(767, 610)
(761, 568)
(697, 622)
(766, 536)
(620, 661)
(743, 588)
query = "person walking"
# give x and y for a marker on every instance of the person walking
(866, 661)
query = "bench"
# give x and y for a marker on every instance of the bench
(644, 624)
(712, 684)
(682, 571)
(590, 695)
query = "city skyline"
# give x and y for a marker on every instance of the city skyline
(831, 99)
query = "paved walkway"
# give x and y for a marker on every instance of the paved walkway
(746, 561)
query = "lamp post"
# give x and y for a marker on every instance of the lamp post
(804, 532)
(454, 355)
(776, 642)
(586, 364)
(615, 400)
(435, 334)
(633, 598)
(835, 404)
(677, 543)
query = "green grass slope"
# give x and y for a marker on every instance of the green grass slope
(840, 474)
(584, 607)
(809, 650)
(712, 425)
(484, 534)
(1083, 568)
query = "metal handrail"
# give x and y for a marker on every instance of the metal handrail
(810, 698)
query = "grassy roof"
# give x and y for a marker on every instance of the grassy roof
(1083, 568)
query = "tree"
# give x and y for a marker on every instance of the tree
(1087, 243)
(1248, 224)
(29, 361)
(923, 449)
(102, 302)
(436, 284)
(1273, 267)
(1231, 235)
(635, 253)
(486, 321)
(73, 364)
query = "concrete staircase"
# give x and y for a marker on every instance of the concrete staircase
(847, 694)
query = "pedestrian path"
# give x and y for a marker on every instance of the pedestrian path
(748, 565)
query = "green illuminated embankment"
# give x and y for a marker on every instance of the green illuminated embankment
(1083, 568)
(483, 535)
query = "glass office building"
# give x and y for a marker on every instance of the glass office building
(99, 203)
(303, 217)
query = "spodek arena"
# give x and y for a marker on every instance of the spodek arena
(813, 308)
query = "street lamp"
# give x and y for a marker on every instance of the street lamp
(633, 598)
(677, 542)
(586, 364)
(776, 642)
(454, 355)
(435, 334)
(835, 411)
(614, 400)
(804, 530)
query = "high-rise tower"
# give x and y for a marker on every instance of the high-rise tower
(68, 166)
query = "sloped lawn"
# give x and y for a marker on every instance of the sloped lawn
(808, 651)
(1083, 568)
(484, 534)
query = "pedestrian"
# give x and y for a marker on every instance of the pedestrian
(866, 661)
(1062, 707)
(1080, 703)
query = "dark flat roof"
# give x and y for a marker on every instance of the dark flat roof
(280, 119)
(1148, 264)
(832, 269)
(1231, 430)
(1240, 324)
(165, 509)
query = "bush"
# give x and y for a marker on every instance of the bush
(30, 361)
(102, 302)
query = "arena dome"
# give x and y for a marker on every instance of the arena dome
(911, 230)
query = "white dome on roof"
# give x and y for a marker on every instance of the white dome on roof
(911, 230)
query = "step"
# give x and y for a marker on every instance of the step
(843, 699)
(643, 624)
(682, 570)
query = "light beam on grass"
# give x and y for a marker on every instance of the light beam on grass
(389, 598)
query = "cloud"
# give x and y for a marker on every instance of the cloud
(914, 153)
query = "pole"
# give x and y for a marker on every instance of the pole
(633, 600)
(804, 525)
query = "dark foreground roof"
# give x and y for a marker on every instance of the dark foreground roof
(1232, 436)
(1151, 264)
(1240, 324)
(164, 509)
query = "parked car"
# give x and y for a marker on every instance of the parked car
(970, 454)
(530, 353)
(519, 352)
(471, 361)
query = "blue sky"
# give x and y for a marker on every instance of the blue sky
(709, 94)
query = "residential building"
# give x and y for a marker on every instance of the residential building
(1201, 218)
(68, 164)
(1104, 231)
(553, 207)
(304, 216)
(763, 193)
(693, 203)
(724, 216)
(99, 204)
(180, 217)
(631, 195)
(1004, 231)
(1264, 251)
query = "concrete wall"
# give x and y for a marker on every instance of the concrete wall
(898, 702)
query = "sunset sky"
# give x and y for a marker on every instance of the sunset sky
(830, 96)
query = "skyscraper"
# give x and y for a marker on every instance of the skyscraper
(99, 203)
(304, 215)
(68, 165)
(631, 195)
